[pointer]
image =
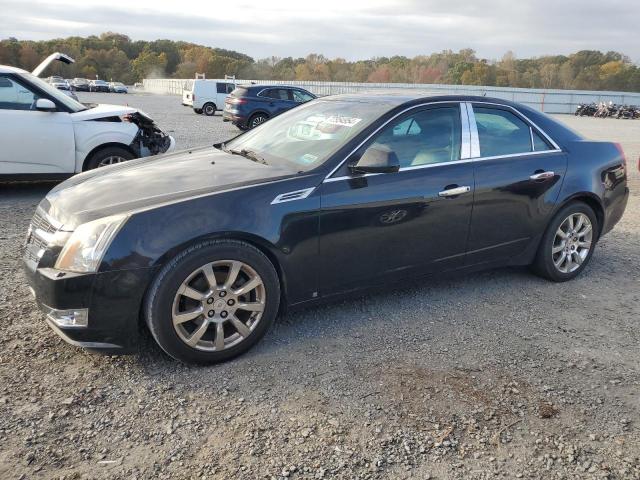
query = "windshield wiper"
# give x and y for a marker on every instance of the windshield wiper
(250, 154)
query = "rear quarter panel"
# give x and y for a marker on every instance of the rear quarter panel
(597, 170)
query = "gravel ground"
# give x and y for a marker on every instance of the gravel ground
(493, 375)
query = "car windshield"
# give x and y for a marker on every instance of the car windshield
(54, 92)
(306, 136)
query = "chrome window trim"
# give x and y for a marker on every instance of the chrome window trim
(465, 145)
(475, 139)
(475, 154)
(440, 164)
(533, 145)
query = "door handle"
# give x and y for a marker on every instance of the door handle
(452, 192)
(542, 175)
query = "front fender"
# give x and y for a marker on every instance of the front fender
(287, 231)
(91, 134)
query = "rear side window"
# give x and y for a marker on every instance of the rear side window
(277, 93)
(501, 132)
(539, 143)
(239, 92)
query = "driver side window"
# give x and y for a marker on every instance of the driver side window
(423, 137)
(14, 96)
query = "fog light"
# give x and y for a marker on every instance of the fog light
(69, 318)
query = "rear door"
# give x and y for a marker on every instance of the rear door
(32, 142)
(518, 175)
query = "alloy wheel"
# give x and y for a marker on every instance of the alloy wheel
(111, 160)
(218, 305)
(258, 120)
(572, 242)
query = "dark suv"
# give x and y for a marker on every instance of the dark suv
(249, 106)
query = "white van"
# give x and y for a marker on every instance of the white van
(207, 96)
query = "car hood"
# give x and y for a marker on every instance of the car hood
(153, 181)
(102, 111)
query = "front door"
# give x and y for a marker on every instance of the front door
(33, 142)
(518, 178)
(378, 228)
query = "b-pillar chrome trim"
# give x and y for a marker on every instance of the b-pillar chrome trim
(465, 146)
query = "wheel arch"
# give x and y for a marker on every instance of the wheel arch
(258, 112)
(103, 146)
(592, 200)
(263, 245)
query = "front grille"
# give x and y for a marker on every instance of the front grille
(36, 244)
(40, 222)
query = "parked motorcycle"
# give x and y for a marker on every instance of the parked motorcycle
(608, 110)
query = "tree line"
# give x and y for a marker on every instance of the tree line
(114, 56)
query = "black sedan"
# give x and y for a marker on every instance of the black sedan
(98, 86)
(207, 246)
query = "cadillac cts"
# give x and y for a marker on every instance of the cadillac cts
(206, 246)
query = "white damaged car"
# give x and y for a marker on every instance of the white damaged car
(46, 134)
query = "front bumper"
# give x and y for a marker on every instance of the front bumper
(111, 299)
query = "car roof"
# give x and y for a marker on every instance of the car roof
(8, 69)
(264, 87)
(401, 98)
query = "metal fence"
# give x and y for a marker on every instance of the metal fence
(550, 101)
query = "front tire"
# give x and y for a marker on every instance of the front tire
(198, 111)
(213, 301)
(568, 243)
(209, 109)
(108, 156)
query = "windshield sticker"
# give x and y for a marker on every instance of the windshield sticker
(308, 158)
(342, 121)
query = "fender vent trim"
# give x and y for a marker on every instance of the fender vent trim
(291, 196)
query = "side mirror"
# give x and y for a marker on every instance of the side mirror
(45, 105)
(377, 159)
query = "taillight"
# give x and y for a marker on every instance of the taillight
(624, 158)
(193, 97)
(238, 101)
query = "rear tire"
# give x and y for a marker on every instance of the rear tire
(108, 156)
(256, 120)
(214, 272)
(563, 258)
(198, 111)
(209, 109)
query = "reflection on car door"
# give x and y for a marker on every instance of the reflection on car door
(518, 178)
(279, 100)
(33, 142)
(383, 227)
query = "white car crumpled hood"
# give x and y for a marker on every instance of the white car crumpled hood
(102, 111)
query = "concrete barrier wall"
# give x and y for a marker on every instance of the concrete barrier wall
(550, 101)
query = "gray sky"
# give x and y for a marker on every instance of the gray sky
(352, 29)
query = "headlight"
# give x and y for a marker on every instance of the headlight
(84, 250)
